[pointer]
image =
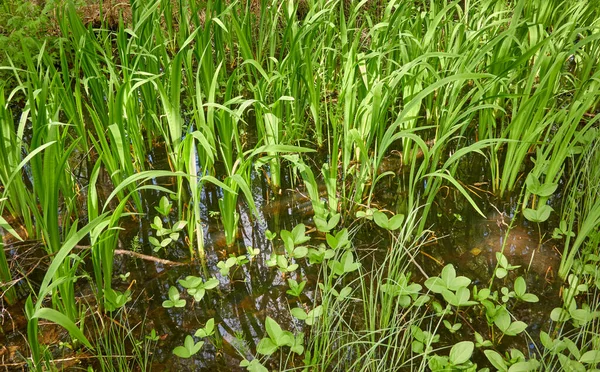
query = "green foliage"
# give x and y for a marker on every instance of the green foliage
(164, 235)
(207, 330)
(391, 224)
(174, 300)
(197, 287)
(278, 338)
(224, 90)
(189, 348)
(295, 287)
(459, 357)
(309, 317)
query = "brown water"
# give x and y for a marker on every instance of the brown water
(252, 292)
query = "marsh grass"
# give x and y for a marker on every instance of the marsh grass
(438, 82)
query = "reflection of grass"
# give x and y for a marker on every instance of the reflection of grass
(240, 344)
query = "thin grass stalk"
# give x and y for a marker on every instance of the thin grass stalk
(17, 194)
(7, 291)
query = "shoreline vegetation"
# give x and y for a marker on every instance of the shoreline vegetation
(300, 185)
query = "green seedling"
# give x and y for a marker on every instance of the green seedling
(453, 328)
(295, 287)
(189, 348)
(481, 294)
(197, 287)
(207, 330)
(164, 206)
(562, 231)
(447, 281)
(506, 294)
(225, 266)
(507, 327)
(253, 366)
(515, 361)
(342, 294)
(520, 291)
(422, 340)
(152, 336)
(282, 263)
(292, 241)
(366, 214)
(174, 300)
(270, 235)
(326, 225)
(277, 338)
(167, 235)
(405, 291)
(338, 241)
(345, 265)
(459, 359)
(114, 300)
(309, 317)
(252, 252)
(503, 266)
(318, 255)
(480, 342)
(452, 288)
(391, 224)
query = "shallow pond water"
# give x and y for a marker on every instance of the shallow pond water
(242, 301)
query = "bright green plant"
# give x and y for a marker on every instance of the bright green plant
(197, 287)
(277, 338)
(514, 361)
(189, 348)
(166, 235)
(295, 287)
(309, 317)
(458, 359)
(174, 299)
(292, 241)
(232, 261)
(208, 329)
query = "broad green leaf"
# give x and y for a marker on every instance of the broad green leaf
(435, 284)
(63, 321)
(266, 346)
(528, 366)
(538, 215)
(181, 352)
(520, 286)
(273, 329)
(559, 315)
(590, 357)
(396, 222)
(381, 220)
(501, 272)
(173, 294)
(515, 328)
(461, 352)
(496, 360)
(211, 283)
(298, 313)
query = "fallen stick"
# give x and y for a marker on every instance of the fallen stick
(150, 258)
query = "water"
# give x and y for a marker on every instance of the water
(240, 304)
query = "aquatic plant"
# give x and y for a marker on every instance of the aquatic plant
(389, 115)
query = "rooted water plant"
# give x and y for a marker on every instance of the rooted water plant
(392, 118)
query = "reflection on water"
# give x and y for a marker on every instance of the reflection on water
(254, 291)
